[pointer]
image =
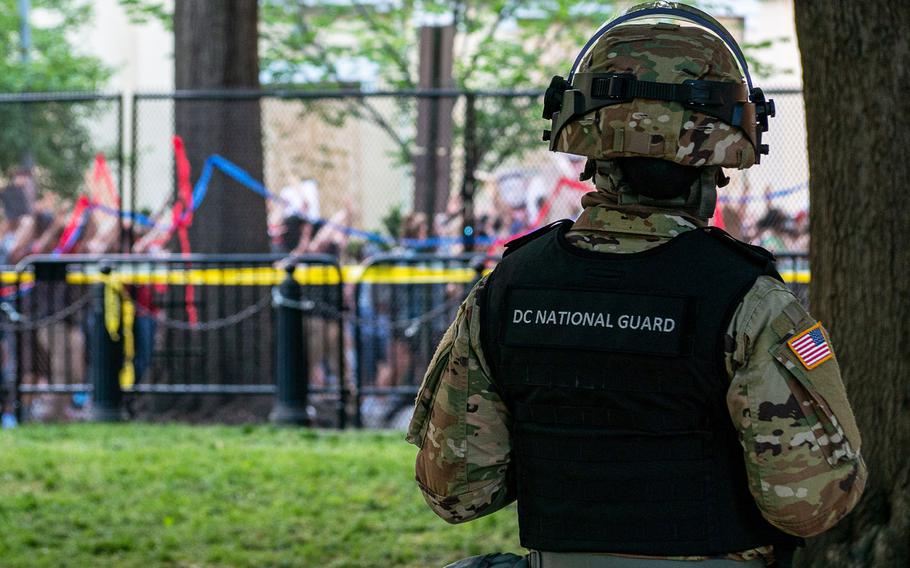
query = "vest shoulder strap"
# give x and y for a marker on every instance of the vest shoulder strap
(754, 253)
(521, 241)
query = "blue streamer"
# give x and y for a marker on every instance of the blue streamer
(773, 195)
(137, 218)
(77, 232)
(241, 176)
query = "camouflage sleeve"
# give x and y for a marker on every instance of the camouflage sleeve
(460, 425)
(799, 436)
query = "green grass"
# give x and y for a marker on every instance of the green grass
(147, 495)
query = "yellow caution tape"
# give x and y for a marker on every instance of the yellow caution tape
(305, 275)
(128, 372)
(796, 276)
(10, 277)
(112, 292)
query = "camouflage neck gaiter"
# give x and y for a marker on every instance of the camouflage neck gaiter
(612, 191)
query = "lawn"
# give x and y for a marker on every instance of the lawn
(151, 495)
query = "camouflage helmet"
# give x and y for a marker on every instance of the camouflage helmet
(660, 90)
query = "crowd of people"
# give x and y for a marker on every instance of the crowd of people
(33, 222)
(392, 352)
(509, 202)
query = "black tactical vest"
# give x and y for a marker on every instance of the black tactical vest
(612, 368)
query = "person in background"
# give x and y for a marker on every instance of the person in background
(797, 237)
(301, 198)
(771, 231)
(38, 230)
(18, 196)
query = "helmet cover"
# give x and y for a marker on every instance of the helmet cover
(665, 53)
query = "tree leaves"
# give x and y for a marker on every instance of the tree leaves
(54, 135)
(500, 44)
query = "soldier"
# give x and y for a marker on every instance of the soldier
(645, 386)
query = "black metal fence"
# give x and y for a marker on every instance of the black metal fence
(233, 338)
(402, 307)
(194, 332)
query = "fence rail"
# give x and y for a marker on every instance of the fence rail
(304, 340)
(201, 325)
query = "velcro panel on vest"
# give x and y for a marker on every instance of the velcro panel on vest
(599, 416)
(622, 448)
(613, 372)
(692, 485)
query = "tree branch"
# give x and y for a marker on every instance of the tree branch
(374, 113)
(506, 12)
(464, 8)
(399, 61)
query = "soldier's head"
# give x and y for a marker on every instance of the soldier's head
(659, 108)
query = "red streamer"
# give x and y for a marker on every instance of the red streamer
(75, 217)
(183, 217)
(563, 182)
(103, 174)
(718, 219)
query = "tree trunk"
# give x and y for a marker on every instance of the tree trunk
(433, 161)
(857, 87)
(216, 47)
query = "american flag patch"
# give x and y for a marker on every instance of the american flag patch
(811, 347)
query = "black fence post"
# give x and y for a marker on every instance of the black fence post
(134, 165)
(292, 360)
(358, 356)
(124, 244)
(105, 367)
(344, 393)
(468, 181)
(18, 349)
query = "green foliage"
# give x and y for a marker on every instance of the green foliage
(135, 495)
(392, 221)
(760, 68)
(56, 135)
(499, 45)
(144, 11)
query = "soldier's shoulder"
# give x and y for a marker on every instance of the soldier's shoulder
(753, 253)
(519, 242)
(768, 296)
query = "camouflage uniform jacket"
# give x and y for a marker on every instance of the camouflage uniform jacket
(800, 442)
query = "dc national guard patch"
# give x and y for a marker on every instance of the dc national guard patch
(596, 320)
(811, 347)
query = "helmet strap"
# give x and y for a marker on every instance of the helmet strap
(705, 191)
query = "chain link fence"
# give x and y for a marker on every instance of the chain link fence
(410, 206)
(380, 172)
(56, 150)
(371, 171)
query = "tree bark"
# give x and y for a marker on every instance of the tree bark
(857, 87)
(433, 161)
(216, 47)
